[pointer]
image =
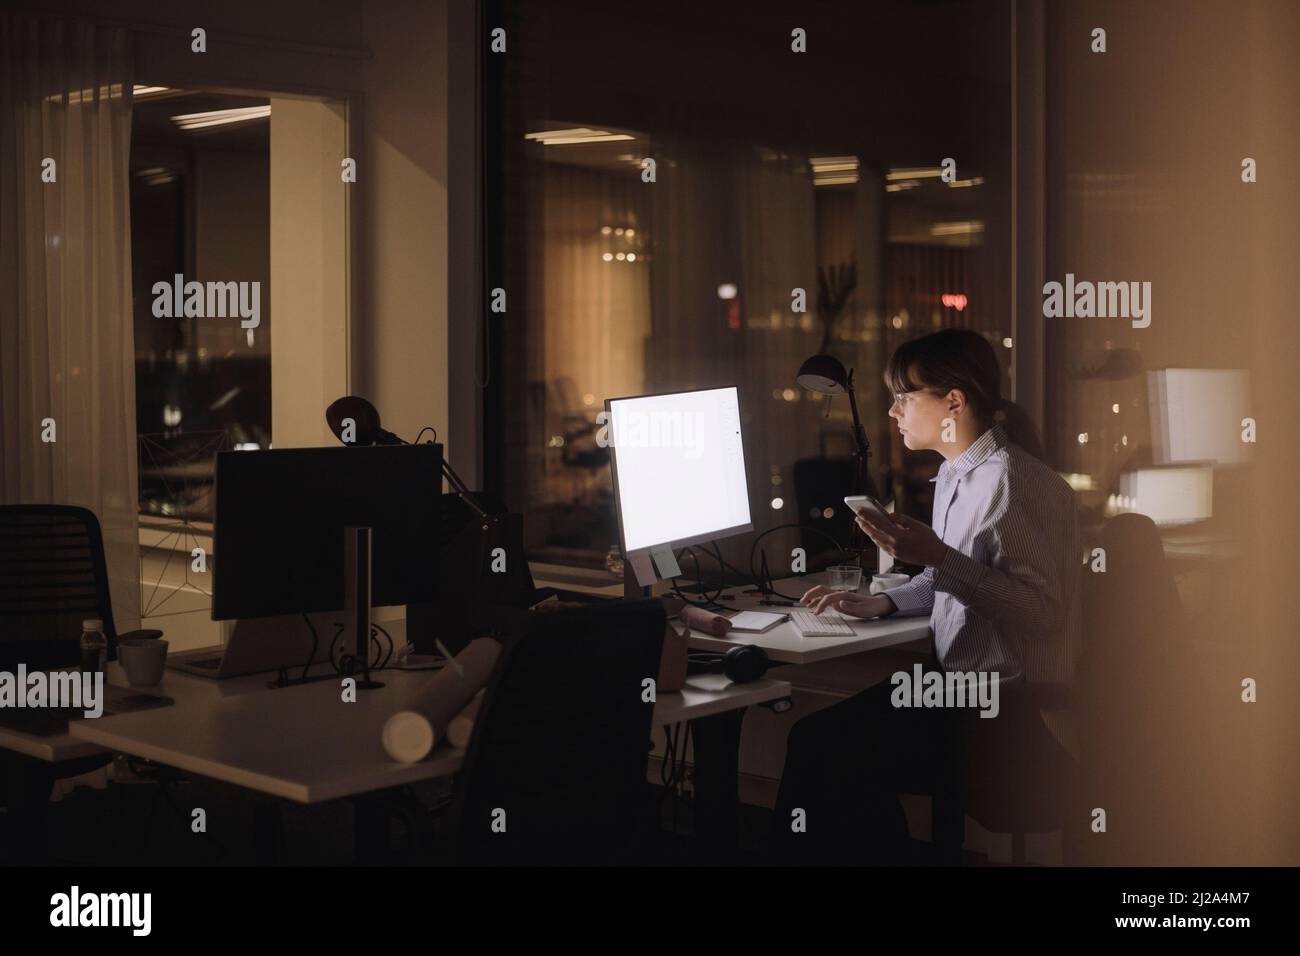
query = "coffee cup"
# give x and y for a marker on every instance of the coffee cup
(883, 582)
(143, 659)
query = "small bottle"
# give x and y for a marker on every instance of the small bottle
(94, 646)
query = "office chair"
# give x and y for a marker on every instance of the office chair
(1021, 781)
(55, 576)
(555, 771)
(1145, 732)
(1136, 697)
(468, 589)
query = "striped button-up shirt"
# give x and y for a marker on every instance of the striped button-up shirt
(1004, 599)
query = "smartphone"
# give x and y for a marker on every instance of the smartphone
(860, 503)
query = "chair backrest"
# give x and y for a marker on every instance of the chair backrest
(1133, 615)
(555, 771)
(467, 585)
(1145, 722)
(52, 577)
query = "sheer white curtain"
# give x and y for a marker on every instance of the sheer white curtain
(597, 309)
(67, 355)
(745, 217)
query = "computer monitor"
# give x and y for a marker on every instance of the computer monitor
(1196, 415)
(280, 516)
(1170, 495)
(678, 465)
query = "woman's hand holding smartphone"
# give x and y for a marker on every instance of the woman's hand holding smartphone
(897, 535)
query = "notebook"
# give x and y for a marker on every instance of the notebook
(756, 622)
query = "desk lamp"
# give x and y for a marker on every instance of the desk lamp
(368, 431)
(826, 375)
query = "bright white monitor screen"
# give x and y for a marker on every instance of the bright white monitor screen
(679, 467)
(1196, 415)
(1168, 496)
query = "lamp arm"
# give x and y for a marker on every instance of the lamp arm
(863, 444)
(859, 433)
(457, 484)
(462, 490)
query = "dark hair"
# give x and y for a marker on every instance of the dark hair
(962, 359)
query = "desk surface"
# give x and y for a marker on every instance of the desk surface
(56, 747)
(51, 749)
(303, 743)
(786, 645)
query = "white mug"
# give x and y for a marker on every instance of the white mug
(882, 582)
(143, 659)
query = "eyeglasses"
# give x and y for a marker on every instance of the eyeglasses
(902, 398)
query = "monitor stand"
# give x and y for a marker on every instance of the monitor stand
(356, 600)
(632, 589)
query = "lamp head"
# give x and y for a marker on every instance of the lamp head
(825, 374)
(365, 420)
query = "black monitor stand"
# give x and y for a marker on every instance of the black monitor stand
(356, 599)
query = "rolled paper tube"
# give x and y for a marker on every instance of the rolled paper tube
(461, 727)
(408, 736)
(706, 621)
(439, 700)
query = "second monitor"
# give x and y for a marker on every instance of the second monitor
(280, 516)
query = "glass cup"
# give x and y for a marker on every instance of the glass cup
(844, 577)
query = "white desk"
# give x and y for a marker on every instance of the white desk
(51, 749)
(58, 747)
(304, 744)
(784, 644)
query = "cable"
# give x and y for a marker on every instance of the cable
(706, 602)
(426, 428)
(391, 646)
(670, 771)
(348, 664)
(666, 767)
(338, 664)
(315, 645)
(686, 746)
(727, 564)
(765, 585)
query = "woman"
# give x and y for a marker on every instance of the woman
(999, 587)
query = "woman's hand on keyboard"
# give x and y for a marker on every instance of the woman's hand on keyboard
(822, 598)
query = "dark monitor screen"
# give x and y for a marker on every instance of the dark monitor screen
(280, 516)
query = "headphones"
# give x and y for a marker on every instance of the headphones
(742, 664)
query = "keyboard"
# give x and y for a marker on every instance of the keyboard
(830, 624)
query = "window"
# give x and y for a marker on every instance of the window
(798, 203)
(217, 214)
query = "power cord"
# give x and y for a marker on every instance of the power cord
(740, 575)
(764, 579)
(672, 771)
(348, 664)
(315, 645)
(708, 602)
